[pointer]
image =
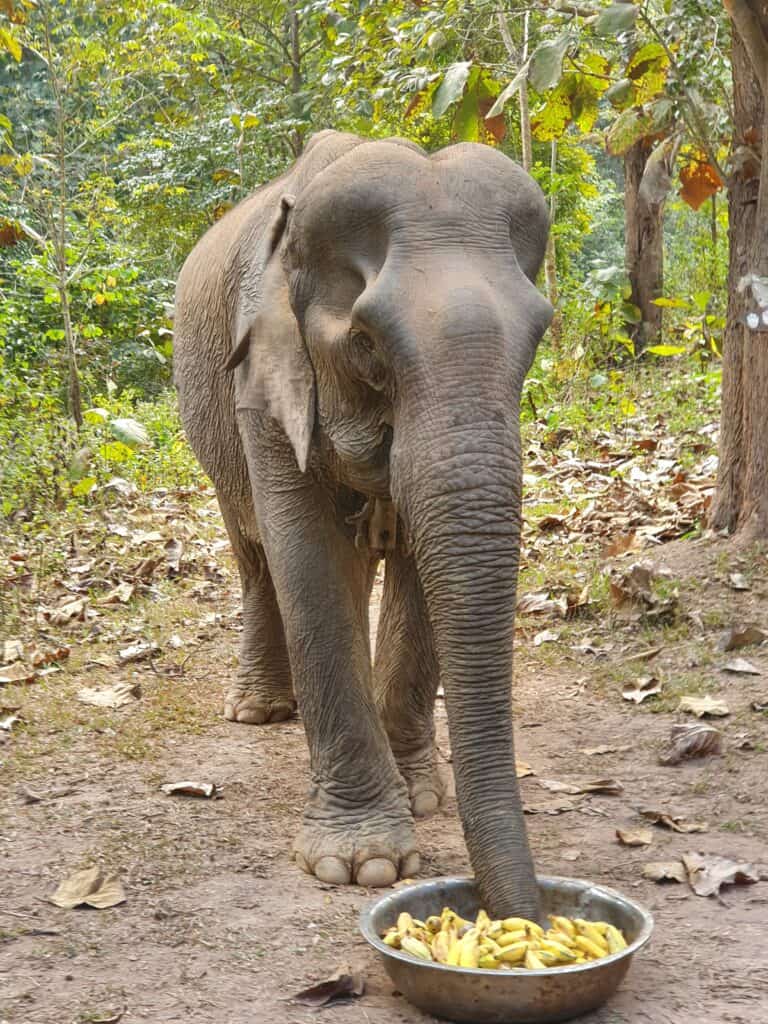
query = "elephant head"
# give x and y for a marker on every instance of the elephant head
(396, 320)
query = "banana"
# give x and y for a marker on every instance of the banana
(434, 924)
(532, 961)
(470, 954)
(392, 939)
(516, 924)
(507, 938)
(589, 947)
(415, 947)
(454, 952)
(589, 931)
(555, 936)
(404, 923)
(557, 949)
(513, 954)
(488, 962)
(563, 924)
(483, 921)
(441, 945)
(614, 938)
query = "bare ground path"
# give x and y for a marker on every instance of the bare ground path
(219, 927)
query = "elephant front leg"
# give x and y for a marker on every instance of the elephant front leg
(406, 679)
(262, 690)
(357, 825)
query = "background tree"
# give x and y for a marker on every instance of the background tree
(741, 500)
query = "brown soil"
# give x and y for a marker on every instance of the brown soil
(219, 927)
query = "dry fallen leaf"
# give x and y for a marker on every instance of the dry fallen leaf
(634, 836)
(121, 594)
(646, 686)
(741, 667)
(530, 604)
(344, 986)
(116, 696)
(738, 581)
(665, 871)
(570, 855)
(609, 787)
(674, 822)
(523, 769)
(137, 652)
(597, 751)
(17, 673)
(759, 705)
(201, 789)
(620, 544)
(70, 611)
(741, 636)
(7, 722)
(704, 706)
(91, 888)
(46, 657)
(550, 807)
(546, 636)
(692, 741)
(707, 873)
(10, 651)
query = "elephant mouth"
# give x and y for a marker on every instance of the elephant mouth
(367, 470)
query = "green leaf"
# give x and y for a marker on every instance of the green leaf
(115, 451)
(451, 87)
(547, 63)
(10, 43)
(616, 19)
(96, 415)
(84, 486)
(627, 406)
(620, 92)
(628, 127)
(666, 350)
(130, 432)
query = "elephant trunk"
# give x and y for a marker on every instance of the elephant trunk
(463, 511)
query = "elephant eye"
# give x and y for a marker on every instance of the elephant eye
(361, 340)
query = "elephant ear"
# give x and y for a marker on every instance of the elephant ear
(273, 373)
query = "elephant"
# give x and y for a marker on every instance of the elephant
(350, 347)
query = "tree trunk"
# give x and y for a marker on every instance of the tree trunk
(297, 79)
(741, 498)
(643, 248)
(550, 256)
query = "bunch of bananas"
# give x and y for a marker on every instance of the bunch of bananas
(503, 945)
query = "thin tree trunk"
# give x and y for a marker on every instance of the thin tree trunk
(550, 255)
(526, 140)
(59, 236)
(741, 497)
(643, 248)
(297, 80)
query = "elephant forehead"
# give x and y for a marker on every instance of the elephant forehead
(385, 186)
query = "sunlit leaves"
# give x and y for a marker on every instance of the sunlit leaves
(699, 180)
(546, 67)
(451, 87)
(616, 19)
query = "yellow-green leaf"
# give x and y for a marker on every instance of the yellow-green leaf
(666, 350)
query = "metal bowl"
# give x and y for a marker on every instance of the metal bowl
(507, 997)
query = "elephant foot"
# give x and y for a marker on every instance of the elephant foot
(253, 708)
(426, 788)
(373, 852)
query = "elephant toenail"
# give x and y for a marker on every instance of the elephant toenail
(376, 872)
(411, 864)
(333, 870)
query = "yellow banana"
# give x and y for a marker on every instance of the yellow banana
(614, 938)
(469, 954)
(483, 921)
(507, 938)
(516, 924)
(532, 961)
(434, 924)
(392, 939)
(513, 954)
(440, 947)
(415, 947)
(404, 923)
(589, 931)
(454, 952)
(563, 924)
(589, 947)
(488, 962)
(557, 949)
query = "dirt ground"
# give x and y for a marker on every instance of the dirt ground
(219, 927)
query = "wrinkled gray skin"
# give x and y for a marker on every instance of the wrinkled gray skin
(376, 310)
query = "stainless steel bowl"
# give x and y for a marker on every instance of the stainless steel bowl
(507, 997)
